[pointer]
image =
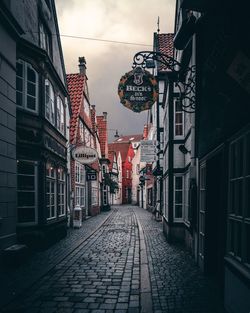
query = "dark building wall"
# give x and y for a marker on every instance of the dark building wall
(7, 139)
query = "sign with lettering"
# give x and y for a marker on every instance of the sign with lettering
(138, 90)
(147, 151)
(84, 155)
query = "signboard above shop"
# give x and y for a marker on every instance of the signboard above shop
(147, 151)
(84, 155)
(138, 90)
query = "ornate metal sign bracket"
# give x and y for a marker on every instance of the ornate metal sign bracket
(185, 77)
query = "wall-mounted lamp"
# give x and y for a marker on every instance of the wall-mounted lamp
(183, 149)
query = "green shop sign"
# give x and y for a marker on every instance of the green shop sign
(138, 90)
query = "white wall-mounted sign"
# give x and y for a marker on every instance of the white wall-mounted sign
(147, 151)
(84, 155)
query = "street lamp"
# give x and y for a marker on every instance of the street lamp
(185, 77)
(116, 135)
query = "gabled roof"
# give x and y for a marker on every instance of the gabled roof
(75, 87)
(130, 138)
(121, 147)
(112, 158)
(164, 44)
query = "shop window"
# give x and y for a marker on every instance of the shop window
(51, 191)
(60, 121)
(239, 212)
(61, 194)
(26, 192)
(178, 119)
(26, 86)
(178, 198)
(49, 102)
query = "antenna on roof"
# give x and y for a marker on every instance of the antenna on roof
(158, 24)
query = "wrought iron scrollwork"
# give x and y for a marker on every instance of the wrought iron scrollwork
(185, 78)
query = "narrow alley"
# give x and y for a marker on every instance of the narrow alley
(103, 267)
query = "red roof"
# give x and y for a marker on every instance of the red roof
(164, 44)
(75, 87)
(121, 147)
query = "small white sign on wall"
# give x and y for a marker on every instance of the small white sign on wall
(148, 151)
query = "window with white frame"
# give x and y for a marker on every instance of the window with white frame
(186, 198)
(61, 193)
(94, 196)
(49, 102)
(178, 198)
(80, 184)
(165, 197)
(239, 199)
(127, 172)
(80, 195)
(60, 120)
(51, 190)
(26, 192)
(26, 86)
(80, 173)
(178, 119)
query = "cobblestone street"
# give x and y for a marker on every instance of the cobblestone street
(104, 268)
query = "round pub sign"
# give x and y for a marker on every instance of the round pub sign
(84, 155)
(138, 90)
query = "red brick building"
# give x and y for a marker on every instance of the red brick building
(127, 153)
(83, 128)
(104, 161)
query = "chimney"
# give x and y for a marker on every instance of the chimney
(105, 115)
(82, 65)
(145, 131)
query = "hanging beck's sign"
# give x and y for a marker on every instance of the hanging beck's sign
(84, 155)
(138, 90)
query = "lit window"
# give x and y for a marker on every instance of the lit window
(179, 117)
(60, 121)
(26, 86)
(61, 195)
(26, 192)
(51, 191)
(49, 102)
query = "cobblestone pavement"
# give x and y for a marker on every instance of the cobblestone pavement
(103, 274)
(17, 279)
(177, 285)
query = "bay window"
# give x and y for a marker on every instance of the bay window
(49, 102)
(60, 120)
(26, 86)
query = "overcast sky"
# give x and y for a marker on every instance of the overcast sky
(119, 20)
